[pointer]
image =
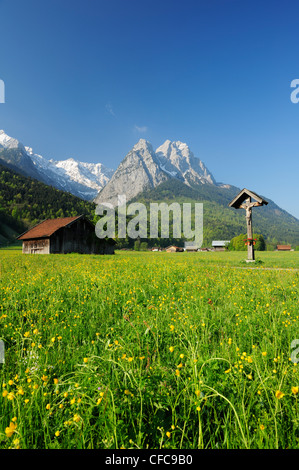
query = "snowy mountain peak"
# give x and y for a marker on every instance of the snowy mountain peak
(143, 144)
(82, 179)
(9, 142)
(71, 160)
(143, 168)
(177, 159)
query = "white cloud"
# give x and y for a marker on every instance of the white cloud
(109, 109)
(141, 129)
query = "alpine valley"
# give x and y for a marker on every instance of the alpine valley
(33, 188)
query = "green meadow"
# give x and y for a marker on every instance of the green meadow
(149, 350)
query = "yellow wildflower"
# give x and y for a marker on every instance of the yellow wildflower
(10, 429)
(279, 394)
(16, 443)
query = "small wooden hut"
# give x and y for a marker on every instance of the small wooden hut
(219, 245)
(65, 235)
(283, 247)
(174, 249)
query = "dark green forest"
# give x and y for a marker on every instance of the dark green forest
(24, 202)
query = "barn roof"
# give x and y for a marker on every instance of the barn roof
(220, 242)
(243, 195)
(46, 228)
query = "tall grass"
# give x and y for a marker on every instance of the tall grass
(147, 350)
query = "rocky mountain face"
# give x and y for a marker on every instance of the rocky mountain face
(139, 170)
(81, 179)
(13, 155)
(143, 169)
(176, 159)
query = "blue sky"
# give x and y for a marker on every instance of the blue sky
(87, 79)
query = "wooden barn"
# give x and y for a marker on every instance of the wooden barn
(65, 235)
(219, 245)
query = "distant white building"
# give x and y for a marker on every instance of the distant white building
(220, 245)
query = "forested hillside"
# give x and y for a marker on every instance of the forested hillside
(221, 222)
(25, 201)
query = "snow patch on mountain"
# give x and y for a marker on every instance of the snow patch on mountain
(177, 159)
(82, 179)
(8, 142)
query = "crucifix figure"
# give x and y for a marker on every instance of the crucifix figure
(244, 201)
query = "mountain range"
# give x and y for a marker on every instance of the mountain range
(171, 172)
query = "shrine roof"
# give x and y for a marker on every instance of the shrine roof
(245, 194)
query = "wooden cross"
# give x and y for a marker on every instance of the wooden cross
(244, 201)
